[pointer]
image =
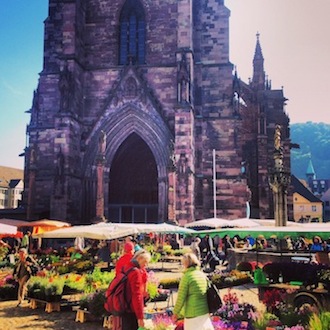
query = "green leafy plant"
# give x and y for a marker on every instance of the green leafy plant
(152, 285)
(319, 321)
(167, 249)
(75, 282)
(94, 303)
(114, 255)
(155, 257)
(234, 277)
(264, 320)
(169, 283)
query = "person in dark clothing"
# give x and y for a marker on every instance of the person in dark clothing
(227, 244)
(22, 273)
(206, 246)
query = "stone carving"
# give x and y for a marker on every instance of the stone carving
(130, 88)
(32, 156)
(277, 137)
(183, 80)
(102, 142)
(65, 86)
(183, 172)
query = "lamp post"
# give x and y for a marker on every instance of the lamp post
(214, 186)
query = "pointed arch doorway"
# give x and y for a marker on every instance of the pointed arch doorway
(133, 183)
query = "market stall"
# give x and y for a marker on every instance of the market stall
(309, 231)
(7, 230)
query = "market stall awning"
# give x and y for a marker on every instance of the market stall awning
(269, 232)
(7, 229)
(44, 225)
(211, 223)
(101, 231)
(14, 222)
(244, 223)
(157, 228)
(113, 230)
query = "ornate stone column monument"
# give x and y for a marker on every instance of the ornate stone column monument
(279, 181)
(100, 187)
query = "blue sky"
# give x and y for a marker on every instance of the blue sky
(294, 36)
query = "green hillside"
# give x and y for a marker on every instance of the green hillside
(314, 141)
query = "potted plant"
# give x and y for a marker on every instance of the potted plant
(35, 288)
(94, 304)
(8, 288)
(54, 289)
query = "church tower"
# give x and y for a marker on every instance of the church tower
(134, 98)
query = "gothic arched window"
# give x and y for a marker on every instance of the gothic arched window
(132, 33)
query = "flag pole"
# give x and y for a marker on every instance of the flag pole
(214, 188)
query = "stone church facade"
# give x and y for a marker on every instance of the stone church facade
(138, 109)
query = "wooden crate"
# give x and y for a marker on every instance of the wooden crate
(49, 306)
(107, 322)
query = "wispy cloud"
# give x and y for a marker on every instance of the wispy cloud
(10, 88)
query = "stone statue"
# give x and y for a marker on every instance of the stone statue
(277, 137)
(32, 156)
(102, 142)
(65, 87)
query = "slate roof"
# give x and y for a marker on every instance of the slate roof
(299, 188)
(14, 183)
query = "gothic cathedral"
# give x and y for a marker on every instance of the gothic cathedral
(139, 116)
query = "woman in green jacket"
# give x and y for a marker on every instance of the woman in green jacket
(191, 301)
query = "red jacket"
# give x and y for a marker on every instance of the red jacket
(122, 261)
(136, 287)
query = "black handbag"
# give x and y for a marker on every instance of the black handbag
(213, 297)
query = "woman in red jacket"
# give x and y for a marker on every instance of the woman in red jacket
(132, 319)
(125, 258)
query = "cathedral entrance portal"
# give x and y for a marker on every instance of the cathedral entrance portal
(133, 183)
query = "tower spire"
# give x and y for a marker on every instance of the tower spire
(310, 172)
(258, 80)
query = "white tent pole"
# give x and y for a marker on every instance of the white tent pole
(214, 188)
(248, 210)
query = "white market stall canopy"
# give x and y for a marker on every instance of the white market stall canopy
(211, 222)
(244, 222)
(99, 231)
(104, 231)
(157, 228)
(7, 229)
(271, 222)
(14, 222)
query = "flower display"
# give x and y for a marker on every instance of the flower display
(8, 288)
(226, 279)
(237, 315)
(272, 300)
(46, 288)
(152, 285)
(160, 322)
(286, 315)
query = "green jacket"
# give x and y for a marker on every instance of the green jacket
(191, 300)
